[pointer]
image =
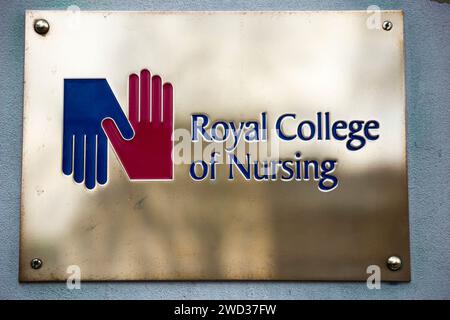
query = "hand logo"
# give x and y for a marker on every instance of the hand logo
(148, 156)
(91, 110)
(86, 103)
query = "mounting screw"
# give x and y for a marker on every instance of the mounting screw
(36, 263)
(387, 25)
(394, 263)
(41, 26)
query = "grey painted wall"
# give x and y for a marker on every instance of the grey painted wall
(428, 97)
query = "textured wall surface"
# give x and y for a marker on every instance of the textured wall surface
(427, 25)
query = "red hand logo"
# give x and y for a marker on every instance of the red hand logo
(148, 155)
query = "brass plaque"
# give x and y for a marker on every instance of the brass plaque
(214, 146)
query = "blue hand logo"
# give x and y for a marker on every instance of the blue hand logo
(85, 149)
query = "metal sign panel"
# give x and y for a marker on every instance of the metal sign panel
(214, 146)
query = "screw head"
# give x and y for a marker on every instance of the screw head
(41, 26)
(394, 263)
(36, 263)
(388, 25)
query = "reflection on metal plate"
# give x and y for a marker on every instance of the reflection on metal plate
(298, 117)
